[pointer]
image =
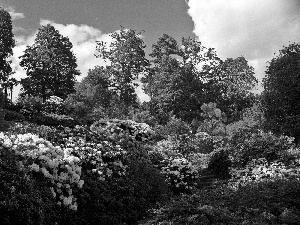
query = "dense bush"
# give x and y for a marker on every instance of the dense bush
(124, 200)
(220, 163)
(245, 146)
(266, 202)
(54, 105)
(13, 116)
(55, 120)
(30, 107)
(118, 187)
(23, 200)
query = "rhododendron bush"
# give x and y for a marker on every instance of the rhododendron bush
(54, 163)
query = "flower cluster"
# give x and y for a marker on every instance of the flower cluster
(118, 130)
(180, 174)
(261, 170)
(61, 169)
(53, 105)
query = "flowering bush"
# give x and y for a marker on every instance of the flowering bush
(61, 169)
(54, 105)
(51, 119)
(23, 200)
(258, 170)
(117, 130)
(244, 146)
(180, 174)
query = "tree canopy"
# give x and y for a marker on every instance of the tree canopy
(281, 93)
(127, 60)
(50, 65)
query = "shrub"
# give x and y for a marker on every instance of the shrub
(55, 120)
(53, 105)
(22, 199)
(124, 200)
(245, 146)
(267, 202)
(30, 106)
(13, 116)
(174, 127)
(220, 163)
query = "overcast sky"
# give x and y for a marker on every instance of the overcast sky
(255, 29)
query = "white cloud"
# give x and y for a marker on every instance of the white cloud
(253, 28)
(14, 15)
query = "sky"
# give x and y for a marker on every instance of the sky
(254, 29)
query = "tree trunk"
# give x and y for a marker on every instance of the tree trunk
(1, 107)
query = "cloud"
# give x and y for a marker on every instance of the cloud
(14, 15)
(255, 29)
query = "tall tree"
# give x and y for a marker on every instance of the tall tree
(6, 45)
(280, 98)
(50, 65)
(174, 83)
(127, 60)
(232, 83)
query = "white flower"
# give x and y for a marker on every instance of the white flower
(34, 167)
(68, 200)
(7, 143)
(80, 183)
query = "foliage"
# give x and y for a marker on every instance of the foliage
(54, 105)
(220, 163)
(127, 60)
(23, 200)
(259, 170)
(234, 80)
(267, 202)
(6, 45)
(245, 146)
(30, 107)
(176, 85)
(214, 119)
(174, 127)
(50, 65)
(281, 92)
(117, 187)
(13, 116)
(252, 120)
(51, 119)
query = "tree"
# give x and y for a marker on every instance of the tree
(231, 84)
(127, 60)
(50, 65)
(6, 45)
(280, 98)
(92, 93)
(175, 84)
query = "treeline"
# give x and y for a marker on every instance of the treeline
(178, 77)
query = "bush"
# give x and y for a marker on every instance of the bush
(245, 146)
(13, 116)
(53, 105)
(55, 120)
(30, 107)
(22, 199)
(124, 200)
(174, 127)
(267, 202)
(220, 163)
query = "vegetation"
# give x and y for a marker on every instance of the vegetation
(203, 150)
